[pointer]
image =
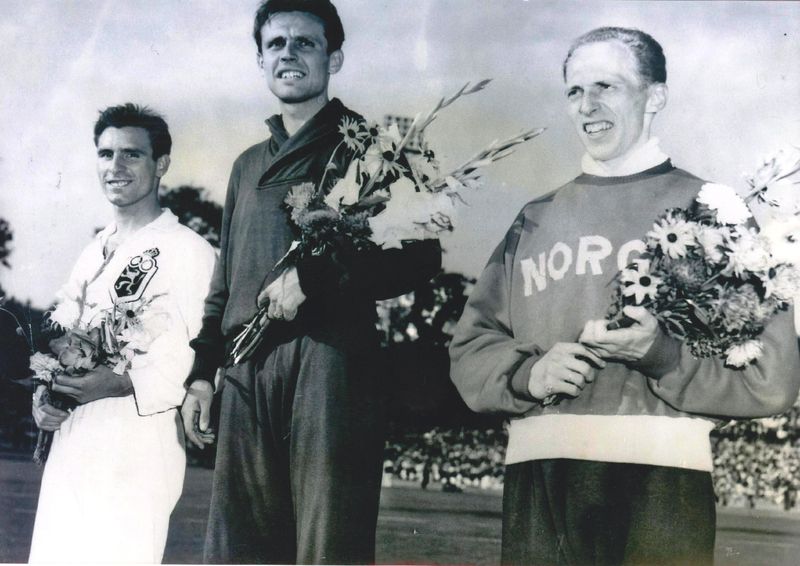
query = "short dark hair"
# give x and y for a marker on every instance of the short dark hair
(323, 9)
(131, 115)
(650, 61)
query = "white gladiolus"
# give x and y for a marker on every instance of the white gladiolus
(407, 213)
(346, 190)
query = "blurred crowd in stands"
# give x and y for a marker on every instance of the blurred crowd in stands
(756, 462)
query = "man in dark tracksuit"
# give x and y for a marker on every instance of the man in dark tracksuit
(300, 439)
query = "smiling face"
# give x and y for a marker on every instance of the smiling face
(608, 102)
(125, 166)
(294, 57)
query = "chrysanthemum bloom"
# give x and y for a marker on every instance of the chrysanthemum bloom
(673, 236)
(712, 242)
(688, 274)
(782, 282)
(739, 307)
(782, 234)
(748, 252)
(66, 313)
(300, 195)
(729, 206)
(639, 282)
(44, 366)
(742, 354)
(774, 179)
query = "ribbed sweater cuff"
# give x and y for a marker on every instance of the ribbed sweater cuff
(662, 357)
(521, 377)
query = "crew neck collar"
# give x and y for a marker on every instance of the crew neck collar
(641, 159)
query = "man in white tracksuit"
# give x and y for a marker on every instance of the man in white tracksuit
(116, 467)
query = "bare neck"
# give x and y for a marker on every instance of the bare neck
(296, 114)
(129, 219)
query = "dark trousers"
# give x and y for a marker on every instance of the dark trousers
(582, 512)
(298, 466)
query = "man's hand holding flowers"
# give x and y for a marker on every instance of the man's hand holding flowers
(47, 417)
(568, 367)
(283, 295)
(98, 383)
(708, 275)
(627, 344)
(565, 369)
(370, 197)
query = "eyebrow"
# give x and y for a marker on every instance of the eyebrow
(280, 35)
(121, 149)
(606, 81)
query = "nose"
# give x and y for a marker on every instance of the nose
(116, 163)
(288, 53)
(588, 103)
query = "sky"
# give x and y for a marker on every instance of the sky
(734, 95)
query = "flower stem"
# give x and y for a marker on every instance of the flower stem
(27, 335)
(328, 165)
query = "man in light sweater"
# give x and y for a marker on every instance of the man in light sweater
(618, 471)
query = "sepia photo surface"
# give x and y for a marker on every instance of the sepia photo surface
(733, 77)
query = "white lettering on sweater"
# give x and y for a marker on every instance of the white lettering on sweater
(592, 249)
(563, 249)
(555, 264)
(625, 250)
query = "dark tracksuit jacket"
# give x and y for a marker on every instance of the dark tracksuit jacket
(300, 439)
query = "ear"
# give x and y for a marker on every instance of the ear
(162, 165)
(335, 61)
(260, 60)
(656, 97)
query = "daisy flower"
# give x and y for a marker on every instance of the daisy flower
(381, 158)
(673, 236)
(639, 282)
(371, 132)
(353, 134)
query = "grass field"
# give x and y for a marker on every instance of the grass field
(414, 527)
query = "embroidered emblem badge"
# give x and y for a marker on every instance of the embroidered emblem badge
(133, 280)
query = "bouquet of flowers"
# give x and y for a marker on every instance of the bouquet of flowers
(709, 276)
(380, 200)
(91, 336)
